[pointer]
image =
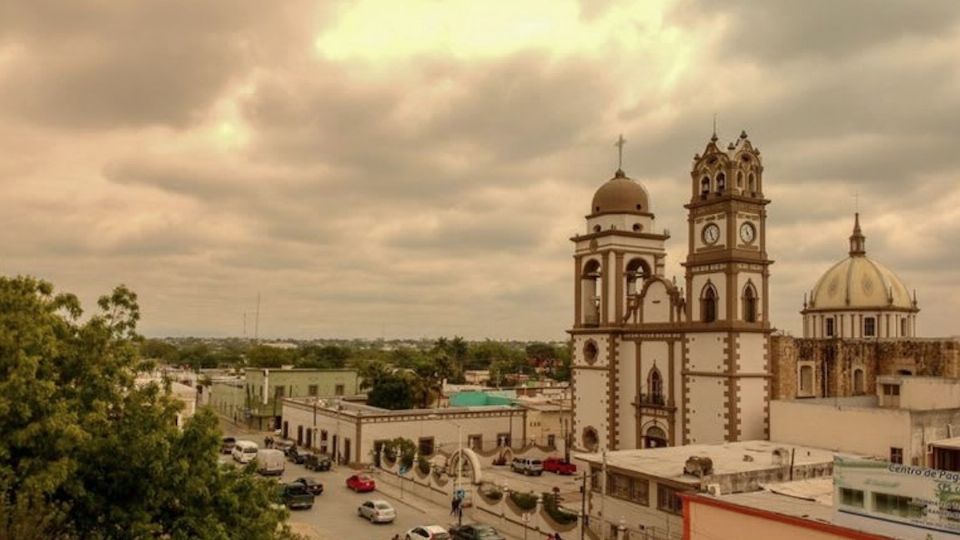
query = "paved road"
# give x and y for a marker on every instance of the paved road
(334, 514)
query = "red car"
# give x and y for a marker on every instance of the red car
(559, 466)
(361, 483)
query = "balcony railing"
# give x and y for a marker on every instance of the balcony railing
(652, 399)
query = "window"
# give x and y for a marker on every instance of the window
(668, 499)
(895, 505)
(851, 497)
(503, 439)
(475, 442)
(858, 382)
(806, 380)
(749, 304)
(655, 387)
(903, 327)
(896, 455)
(740, 180)
(590, 352)
(869, 327)
(591, 439)
(595, 482)
(551, 441)
(708, 304)
(338, 390)
(627, 487)
(891, 389)
(830, 330)
(752, 183)
(278, 392)
(704, 185)
(312, 390)
(323, 435)
(721, 182)
(425, 445)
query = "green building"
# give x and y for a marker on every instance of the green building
(257, 399)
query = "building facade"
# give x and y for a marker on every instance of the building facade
(657, 364)
(352, 432)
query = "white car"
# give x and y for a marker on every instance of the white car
(377, 511)
(427, 532)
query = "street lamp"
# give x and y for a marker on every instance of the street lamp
(434, 416)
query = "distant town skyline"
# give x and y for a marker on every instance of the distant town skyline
(414, 169)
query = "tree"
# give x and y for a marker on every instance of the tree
(392, 393)
(87, 451)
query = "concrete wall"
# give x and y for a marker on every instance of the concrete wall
(851, 427)
(926, 393)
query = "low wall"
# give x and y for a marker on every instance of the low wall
(438, 487)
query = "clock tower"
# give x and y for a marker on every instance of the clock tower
(726, 343)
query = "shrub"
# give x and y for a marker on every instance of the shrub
(423, 464)
(490, 492)
(524, 501)
(561, 515)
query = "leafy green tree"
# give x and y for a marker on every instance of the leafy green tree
(87, 451)
(263, 356)
(391, 392)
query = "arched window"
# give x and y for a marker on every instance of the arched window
(636, 271)
(721, 182)
(749, 304)
(740, 180)
(655, 387)
(752, 183)
(655, 437)
(708, 304)
(705, 185)
(590, 299)
(858, 384)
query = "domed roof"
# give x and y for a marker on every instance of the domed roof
(860, 282)
(620, 195)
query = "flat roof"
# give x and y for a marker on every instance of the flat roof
(361, 409)
(788, 505)
(953, 443)
(727, 458)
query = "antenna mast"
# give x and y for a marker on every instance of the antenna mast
(256, 324)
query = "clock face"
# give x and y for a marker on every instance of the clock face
(748, 233)
(711, 233)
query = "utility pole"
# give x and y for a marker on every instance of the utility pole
(256, 324)
(583, 506)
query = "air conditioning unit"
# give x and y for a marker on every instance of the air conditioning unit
(713, 489)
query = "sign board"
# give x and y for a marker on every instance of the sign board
(911, 502)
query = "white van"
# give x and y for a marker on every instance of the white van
(270, 461)
(244, 451)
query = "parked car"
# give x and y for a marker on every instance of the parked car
(427, 532)
(312, 485)
(244, 451)
(227, 444)
(298, 455)
(283, 445)
(559, 466)
(296, 496)
(361, 483)
(377, 511)
(527, 466)
(270, 461)
(476, 531)
(316, 462)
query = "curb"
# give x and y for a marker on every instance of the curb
(390, 493)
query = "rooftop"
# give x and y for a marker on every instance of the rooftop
(352, 409)
(728, 458)
(808, 499)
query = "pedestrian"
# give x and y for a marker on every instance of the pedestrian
(454, 505)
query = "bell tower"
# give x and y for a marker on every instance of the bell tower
(727, 290)
(618, 251)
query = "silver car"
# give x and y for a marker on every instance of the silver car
(377, 511)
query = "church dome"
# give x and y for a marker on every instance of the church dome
(620, 195)
(860, 282)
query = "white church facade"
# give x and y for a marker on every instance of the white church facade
(656, 363)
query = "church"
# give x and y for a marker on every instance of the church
(657, 363)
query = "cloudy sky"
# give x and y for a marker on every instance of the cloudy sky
(416, 168)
